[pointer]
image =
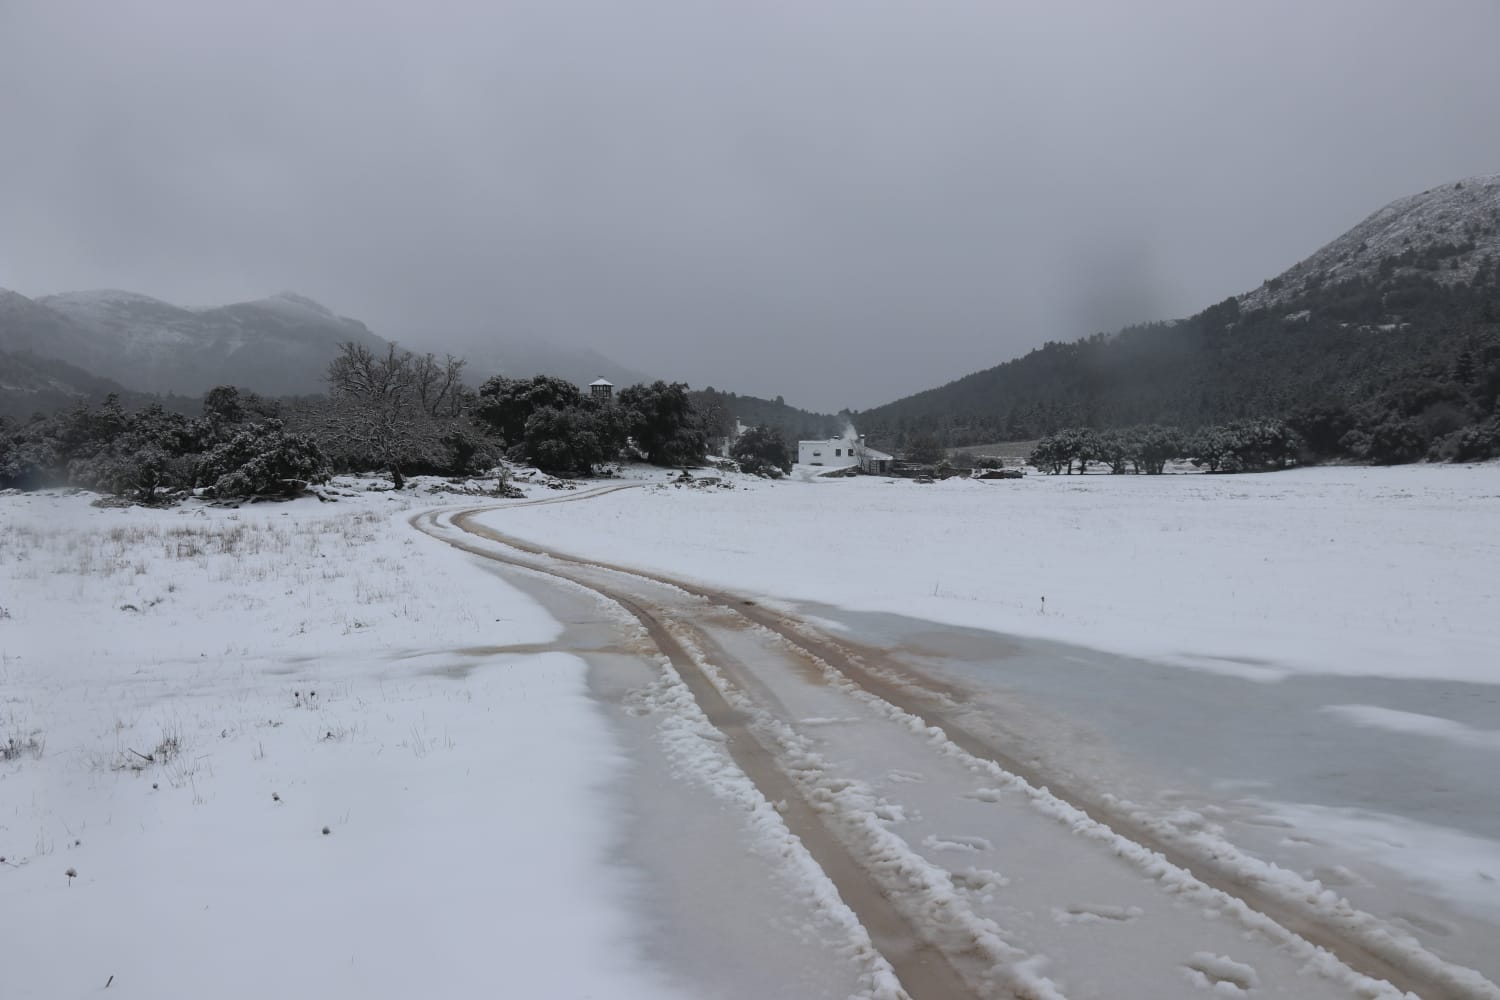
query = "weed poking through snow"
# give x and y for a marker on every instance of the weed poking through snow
(14, 749)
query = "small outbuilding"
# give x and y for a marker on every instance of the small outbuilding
(876, 463)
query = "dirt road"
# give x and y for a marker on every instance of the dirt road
(974, 875)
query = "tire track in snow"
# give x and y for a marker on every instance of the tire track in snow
(1362, 945)
(923, 970)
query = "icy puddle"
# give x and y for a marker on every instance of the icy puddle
(1381, 789)
(1065, 909)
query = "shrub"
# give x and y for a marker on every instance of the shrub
(262, 460)
(567, 441)
(1471, 444)
(762, 451)
(665, 427)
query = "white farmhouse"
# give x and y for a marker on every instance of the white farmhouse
(841, 453)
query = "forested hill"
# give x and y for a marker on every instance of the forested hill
(722, 409)
(1410, 340)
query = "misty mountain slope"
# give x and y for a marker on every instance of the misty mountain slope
(1410, 340)
(30, 327)
(29, 384)
(277, 346)
(1445, 233)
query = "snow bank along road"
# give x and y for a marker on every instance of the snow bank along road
(973, 874)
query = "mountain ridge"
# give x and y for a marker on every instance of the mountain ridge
(1445, 231)
(1393, 324)
(279, 345)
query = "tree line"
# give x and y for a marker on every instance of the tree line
(1238, 446)
(394, 412)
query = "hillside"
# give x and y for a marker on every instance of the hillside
(1447, 233)
(724, 408)
(29, 384)
(32, 328)
(278, 345)
(1408, 342)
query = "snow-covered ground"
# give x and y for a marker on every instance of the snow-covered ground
(1360, 571)
(280, 751)
(304, 748)
(1309, 661)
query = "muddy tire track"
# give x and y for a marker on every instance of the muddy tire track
(922, 968)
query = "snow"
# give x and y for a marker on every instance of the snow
(696, 751)
(301, 667)
(1453, 214)
(298, 306)
(1352, 571)
(1221, 974)
(1348, 575)
(1397, 721)
(352, 790)
(101, 298)
(1462, 868)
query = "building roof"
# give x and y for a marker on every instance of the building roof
(877, 455)
(601, 381)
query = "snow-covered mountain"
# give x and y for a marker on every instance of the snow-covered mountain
(31, 328)
(278, 345)
(1445, 233)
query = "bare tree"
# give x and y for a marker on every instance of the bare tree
(440, 388)
(386, 407)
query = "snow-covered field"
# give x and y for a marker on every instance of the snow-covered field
(1304, 614)
(304, 749)
(274, 751)
(1360, 571)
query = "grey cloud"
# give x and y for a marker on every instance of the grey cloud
(840, 202)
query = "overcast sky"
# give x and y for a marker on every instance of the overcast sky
(841, 201)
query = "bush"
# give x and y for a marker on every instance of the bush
(1393, 442)
(262, 460)
(470, 452)
(30, 460)
(568, 441)
(1471, 444)
(1245, 446)
(505, 405)
(138, 473)
(762, 451)
(661, 419)
(1155, 446)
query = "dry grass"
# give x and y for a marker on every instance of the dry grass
(15, 747)
(132, 550)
